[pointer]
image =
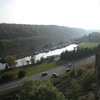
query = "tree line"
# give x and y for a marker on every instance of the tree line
(93, 37)
(79, 53)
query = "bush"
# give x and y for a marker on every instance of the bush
(21, 74)
(87, 80)
(8, 76)
(91, 96)
(72, 73)
(74, 91)
(80, 72)
(55, 81)
(39, 90)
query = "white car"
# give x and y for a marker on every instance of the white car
(55, 75)
(67, 69)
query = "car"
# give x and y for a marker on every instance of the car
(67, 69)
(55, 75)
(69, 64)
(44, 74)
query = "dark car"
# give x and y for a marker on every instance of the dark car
(69, 65)
(44, 74)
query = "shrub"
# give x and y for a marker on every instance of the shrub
(72, 73)
(91, 96)
(80, 72)
(74, 91)
(21, 73)
(87, 80)
(8, 76)
(39, 90)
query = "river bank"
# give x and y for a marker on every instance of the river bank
(37, 57)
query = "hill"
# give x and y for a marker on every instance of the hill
(93, 37)
(17, 38)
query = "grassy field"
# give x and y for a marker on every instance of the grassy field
(89, 45)
(33, 69)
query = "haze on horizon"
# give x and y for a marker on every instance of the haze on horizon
(72, 13)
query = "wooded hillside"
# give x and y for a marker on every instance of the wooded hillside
(17, 38)
(93, 37)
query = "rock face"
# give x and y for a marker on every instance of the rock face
(97, 66)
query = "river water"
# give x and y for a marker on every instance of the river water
(37, 57)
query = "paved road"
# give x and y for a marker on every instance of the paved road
(59, 70)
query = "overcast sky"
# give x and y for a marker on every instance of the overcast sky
(72, 13)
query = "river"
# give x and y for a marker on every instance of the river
(37, 57)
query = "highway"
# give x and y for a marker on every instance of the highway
(59, 70)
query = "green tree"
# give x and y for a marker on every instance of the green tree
(24, 91)
(28, 62)
(87, 80)
(74, 91)
(32, 60)
(91, 96)
(8, 76)
(80, 72)
(39, 90)
(10, 61)
(72, 73)
(21, 73)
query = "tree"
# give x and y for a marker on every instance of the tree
(28, 62)
(24, 91)
(91, 96)
(10, 61)
(87, 80)
(32, 59)
(72, 73)
(8, 76)
(80, 72)
(74, 91)
(39, 90)
(21, 73)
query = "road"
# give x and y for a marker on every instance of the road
(59, 70)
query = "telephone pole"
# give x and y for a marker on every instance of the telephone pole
(97, 69)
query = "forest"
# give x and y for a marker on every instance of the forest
(19, 38)
(93, 37)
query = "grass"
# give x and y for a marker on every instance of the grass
(89, 45)
(30, 70)
(33, 69)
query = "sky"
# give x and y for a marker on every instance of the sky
(72, 13)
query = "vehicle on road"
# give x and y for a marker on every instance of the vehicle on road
(68, 69)
(55, 75)
(69, 65)
(44, 74)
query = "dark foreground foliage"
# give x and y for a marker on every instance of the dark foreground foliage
(43, 90)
